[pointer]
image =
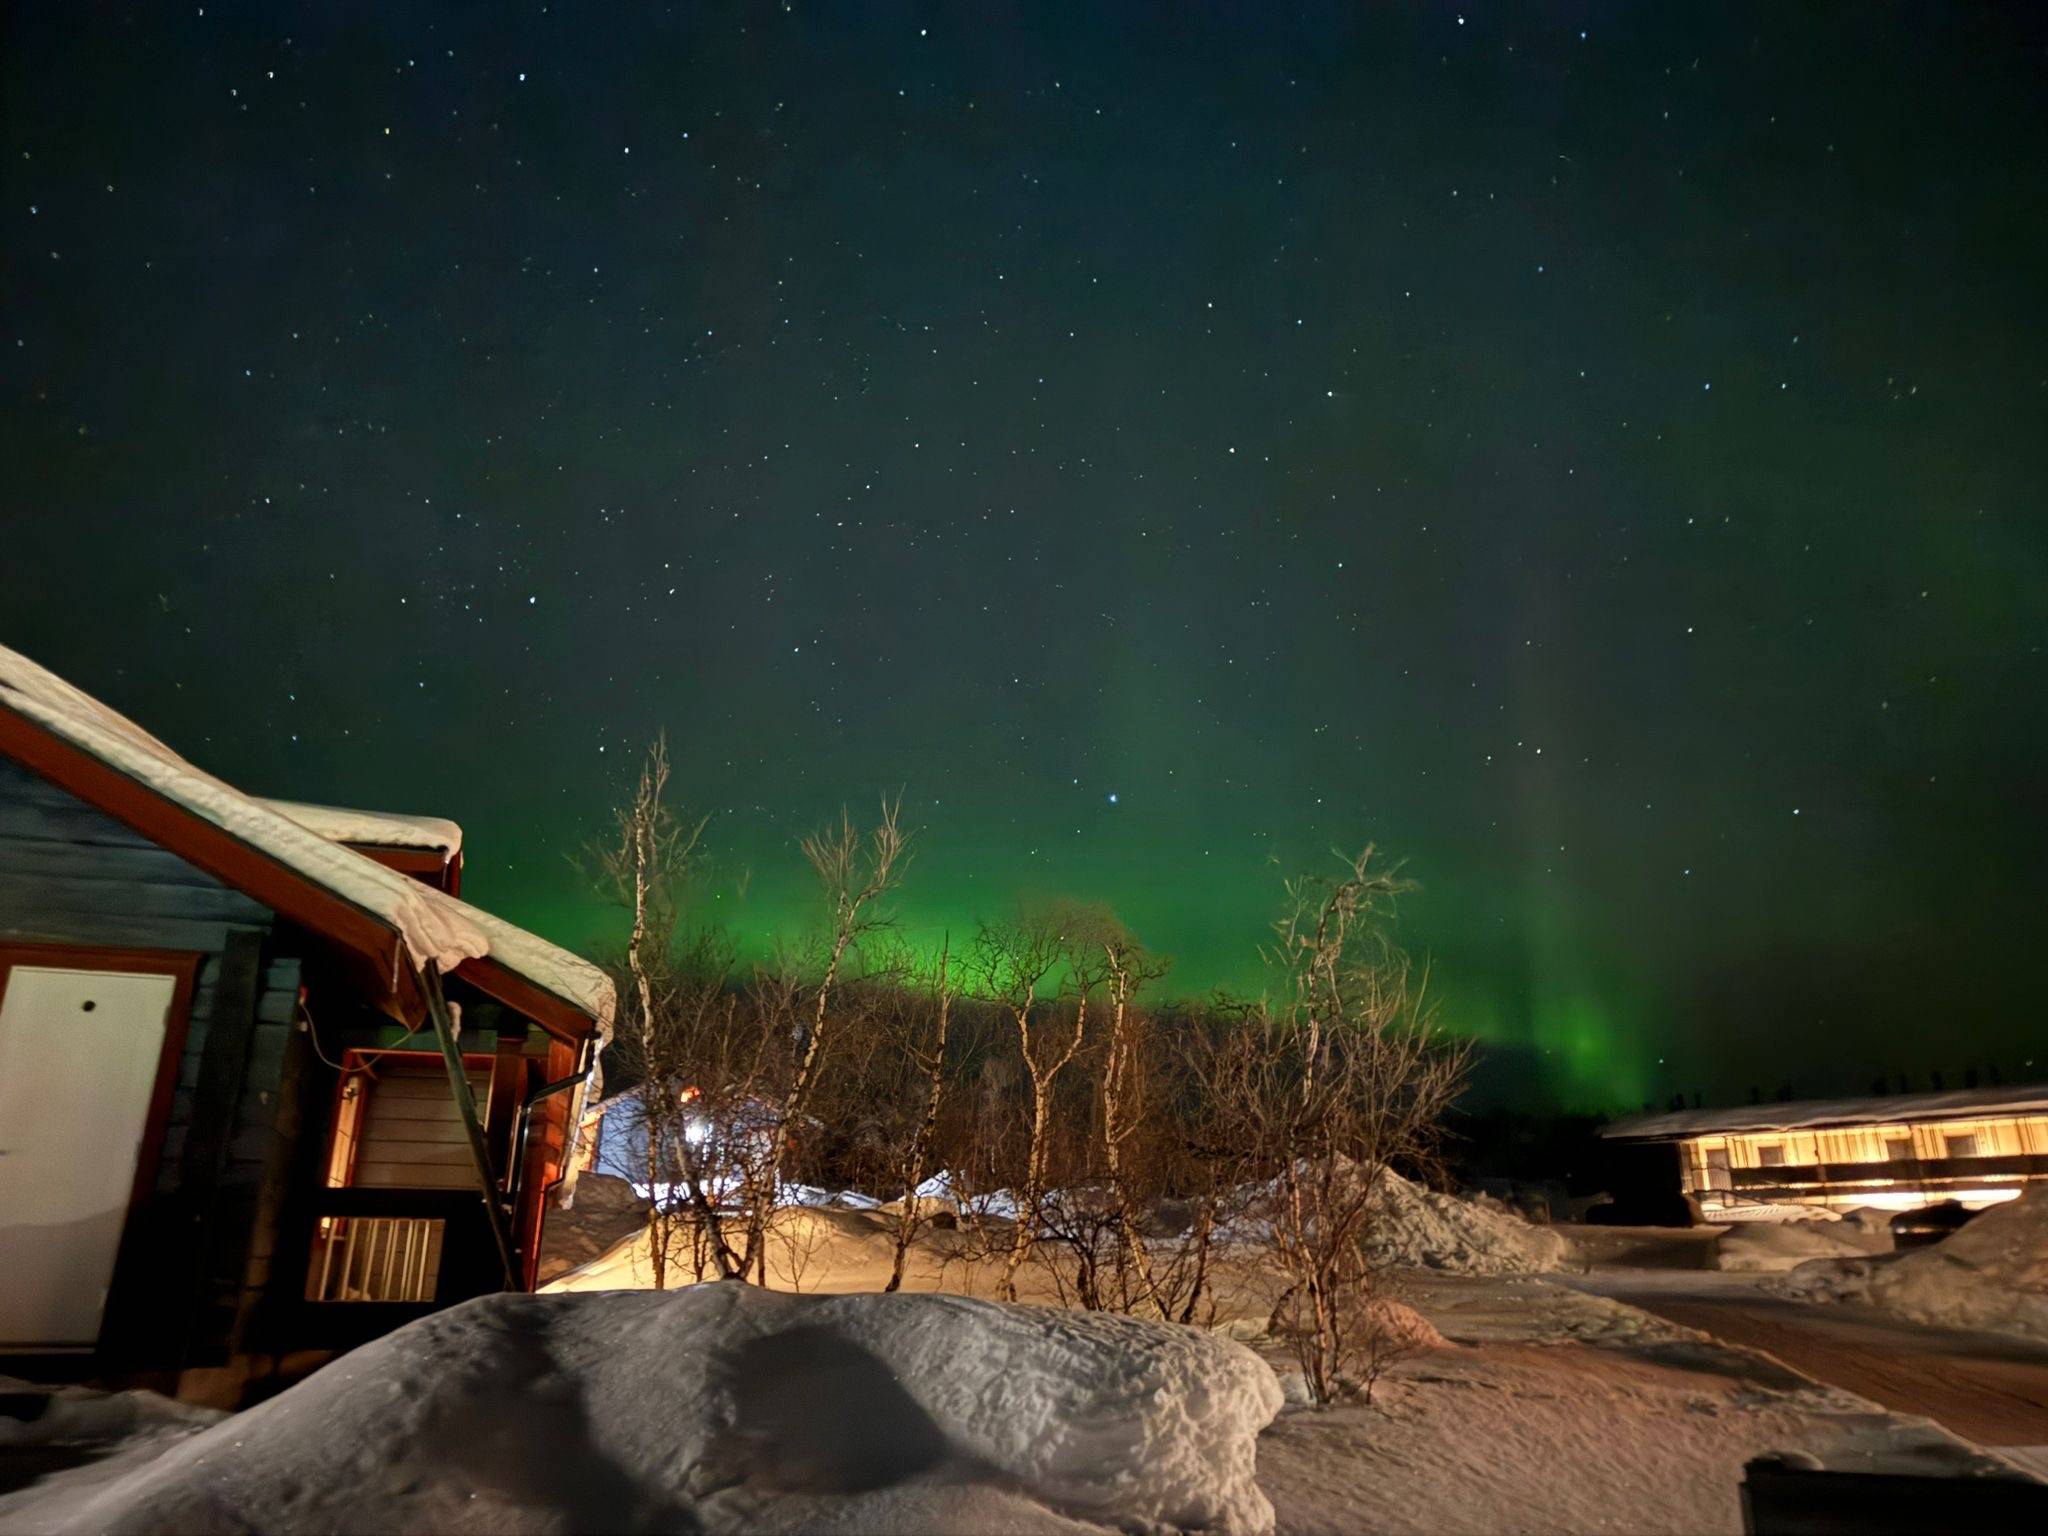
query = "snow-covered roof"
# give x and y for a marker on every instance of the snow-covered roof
(435, 928)
(1814, 1114)
(382, 829)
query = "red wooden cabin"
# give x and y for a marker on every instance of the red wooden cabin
(268, 1087)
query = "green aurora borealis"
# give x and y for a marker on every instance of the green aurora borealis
(1594, 451)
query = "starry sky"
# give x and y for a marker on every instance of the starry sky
(1596, 451)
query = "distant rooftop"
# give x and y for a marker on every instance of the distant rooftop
(1816, 1114)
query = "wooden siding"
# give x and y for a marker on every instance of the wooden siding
(70, 874)
(412, 1136)
(1890, 1163)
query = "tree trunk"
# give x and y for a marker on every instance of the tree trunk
(643, 990)
(793, 1104)
(1025, 1231)
(1205, 1225)
(657, 1225)
(1115, 1128)
(920, 1147)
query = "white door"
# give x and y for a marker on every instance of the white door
(78, 1062)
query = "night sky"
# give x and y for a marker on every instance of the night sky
(1595, 451)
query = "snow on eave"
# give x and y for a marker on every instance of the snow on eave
(380, 829)
(1816, 1114)
(435, 928)
(583, 986)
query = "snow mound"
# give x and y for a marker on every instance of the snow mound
(726, 1408)
(1421, 1229)
(1763, 1246)
(1990, 1276)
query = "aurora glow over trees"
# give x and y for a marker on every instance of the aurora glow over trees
(1593, 451)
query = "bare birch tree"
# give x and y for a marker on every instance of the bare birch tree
(923, 1049)
(712, 1060)
(1345, 1075)
(1123, 1102)
(1018, 962)
(645, 870)
(855, 871)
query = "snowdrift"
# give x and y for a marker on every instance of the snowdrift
(726, 1408)
(1421, 1229)
(1763, 1246)
(1991, 1275)
(86, 1416)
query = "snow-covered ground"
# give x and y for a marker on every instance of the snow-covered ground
(1522, 1405)
(76, 1439)
(1560, 1412)
(721, 1407)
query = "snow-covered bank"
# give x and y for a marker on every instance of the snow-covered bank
(607, 1211)
(725, 1408)
(1990, 1276)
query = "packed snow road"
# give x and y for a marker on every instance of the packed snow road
(1989, 1388)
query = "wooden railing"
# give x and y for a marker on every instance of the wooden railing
(375, 1258)
(418, 1246)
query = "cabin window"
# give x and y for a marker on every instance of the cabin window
(1962, 1144)
(1770, 1154)
(1898, 1149)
